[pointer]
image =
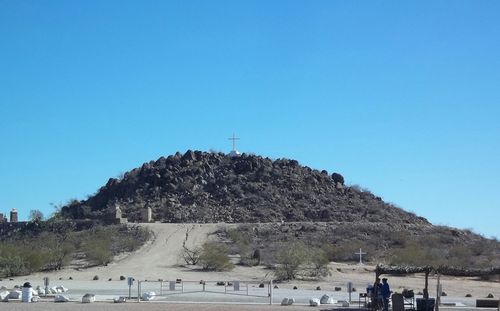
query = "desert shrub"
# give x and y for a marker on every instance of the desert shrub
(20, 259)
(97, 250)
(34, 260)
(297, 260)
(419, 254)
(318, 263)
(214, 257)
(400, 239)
(101, 243)
(11, 266)
(60, 256)
(191, 256)
(99, 254)
(242, 244)
(52, 244)
(459, 256)
(289, 259)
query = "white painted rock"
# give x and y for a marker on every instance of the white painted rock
(326, 300)
(120, 299)
(61, 289)
(287, 301)
(88, 298)
(147, 296)
(314, 302)
(60, 298)
(4, 295)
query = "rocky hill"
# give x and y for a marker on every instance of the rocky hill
(280, 201)
(213, 187)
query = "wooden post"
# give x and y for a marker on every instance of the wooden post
(438, 292)
(426, 288)
(138, 291)
(271, 292)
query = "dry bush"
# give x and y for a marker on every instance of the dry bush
(214, 257)
(53, 244)
(296, 260)
(191, 256)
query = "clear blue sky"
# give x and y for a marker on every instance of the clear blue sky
(401, 97)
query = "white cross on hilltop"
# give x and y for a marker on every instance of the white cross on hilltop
(360, 257)
(234, 139)
(234, 153)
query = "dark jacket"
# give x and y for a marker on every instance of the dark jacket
(385, 290)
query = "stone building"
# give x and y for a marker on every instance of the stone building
(13, 215)
(114, 215)
(147, 214)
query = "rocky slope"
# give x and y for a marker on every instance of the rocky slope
(213, 187)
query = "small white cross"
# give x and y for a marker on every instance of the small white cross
(234, 139)
(360, 257)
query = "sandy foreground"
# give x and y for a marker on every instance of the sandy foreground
(161, 259)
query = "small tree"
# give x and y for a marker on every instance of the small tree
(99, 253)
(289, 259)
(318, 263)
(242, 244)
(11, 266)
(98, 248)
(214, 257)
(298, 260)
(59, 249)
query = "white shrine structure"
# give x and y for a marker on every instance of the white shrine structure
(234, 153)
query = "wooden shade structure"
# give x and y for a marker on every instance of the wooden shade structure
(442, 270)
